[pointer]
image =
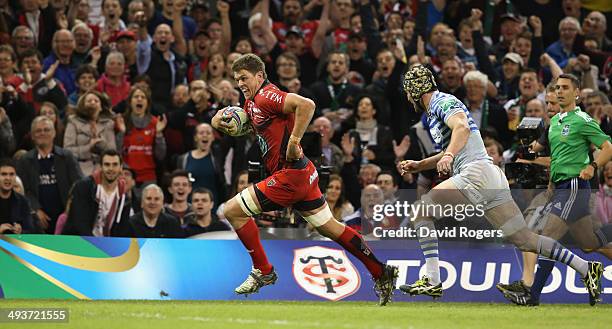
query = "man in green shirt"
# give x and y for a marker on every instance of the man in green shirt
(571, 133)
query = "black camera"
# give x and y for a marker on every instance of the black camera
(529, 130)
(524, 174)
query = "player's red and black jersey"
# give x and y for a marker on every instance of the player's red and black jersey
(272, 126)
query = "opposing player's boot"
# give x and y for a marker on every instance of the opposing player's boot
(385, 284)
(592, 281)
(517, 293)
(423, 287)
(256, 280)
(516, 287)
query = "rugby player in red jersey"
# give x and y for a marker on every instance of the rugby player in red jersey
(279, 120)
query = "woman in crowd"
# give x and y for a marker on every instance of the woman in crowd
(376, 139)
(334, 195)
(141, 136)
(90, 130)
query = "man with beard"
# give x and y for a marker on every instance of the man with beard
(464, 157)
(99, 203)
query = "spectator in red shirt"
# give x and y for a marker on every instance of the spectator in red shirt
(114, 82)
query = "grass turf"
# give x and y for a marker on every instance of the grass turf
(282, 314)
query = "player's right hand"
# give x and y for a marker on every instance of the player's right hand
(409, 167)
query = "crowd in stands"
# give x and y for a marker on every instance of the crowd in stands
(105, 105)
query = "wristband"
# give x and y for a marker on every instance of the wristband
(594, 165)
(449, 154)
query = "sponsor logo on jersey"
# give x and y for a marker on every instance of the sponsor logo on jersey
(314, 176)
(558, 205)
(325, 272)
(565, 131)
(271, 182)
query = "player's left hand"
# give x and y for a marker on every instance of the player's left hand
(294, 151)
(445, 165)
(587, 173)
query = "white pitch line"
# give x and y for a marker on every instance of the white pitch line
(281, 323)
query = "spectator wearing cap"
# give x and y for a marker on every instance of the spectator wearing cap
(63, 60)
(114, 82)
(83, 40)
(486, 113)
(199, 12)
(562, 50)
(199, 63)
(509, 74)
(293, 15)
(357, 49)
(595, 25)
(126, 43)
(47, 172)
(510, 29)
(295, 43)
(40, 19)
(335, 95)
(168, 14)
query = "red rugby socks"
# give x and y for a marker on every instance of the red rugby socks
(249, 235)
(352, 241)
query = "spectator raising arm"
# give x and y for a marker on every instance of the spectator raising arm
(226, 27)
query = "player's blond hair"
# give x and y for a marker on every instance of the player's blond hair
(251, 63)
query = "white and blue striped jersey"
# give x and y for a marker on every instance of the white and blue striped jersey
(441, 107)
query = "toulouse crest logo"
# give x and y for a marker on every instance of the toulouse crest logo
(325, 272)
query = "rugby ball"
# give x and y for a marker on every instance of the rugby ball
(239, 120)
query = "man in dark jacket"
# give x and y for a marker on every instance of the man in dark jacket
(15, 212)
(47, 172)
(99, 203)
(151, 222)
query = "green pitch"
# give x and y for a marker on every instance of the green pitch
(349, 315)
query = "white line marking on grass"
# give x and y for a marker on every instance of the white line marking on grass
(280, 323)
